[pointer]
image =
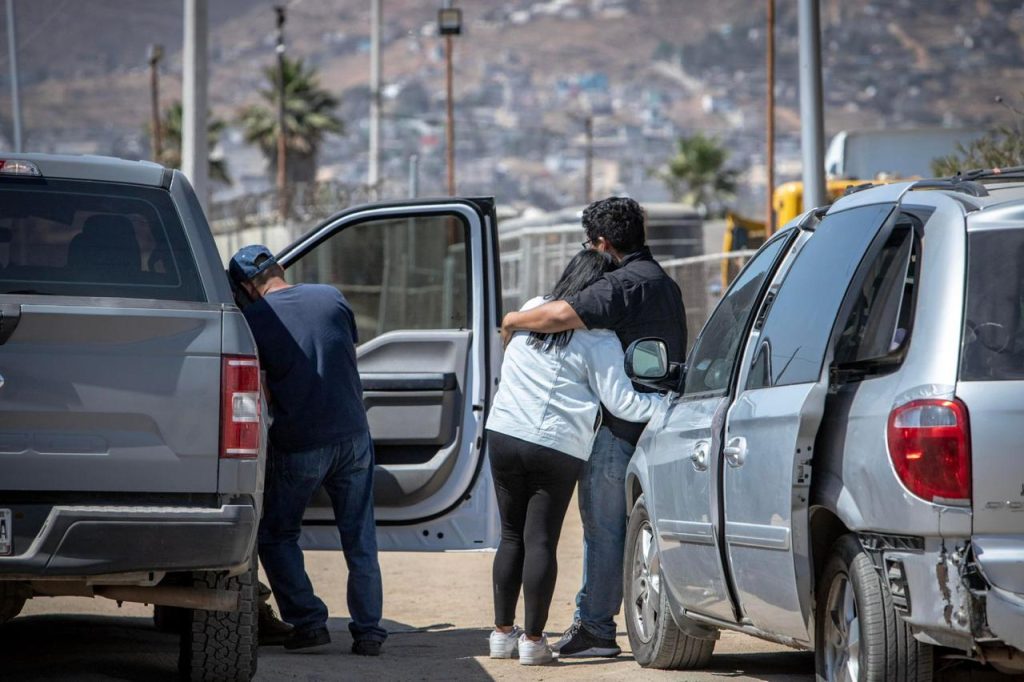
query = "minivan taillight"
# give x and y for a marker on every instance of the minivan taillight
(240, 407)
(930, 448)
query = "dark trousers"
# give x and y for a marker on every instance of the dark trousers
(534, 485)
(345, 470)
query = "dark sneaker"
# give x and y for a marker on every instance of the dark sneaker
(272, 630)
(566, 636)
(582, 644)
(366, 647)
(305, 639)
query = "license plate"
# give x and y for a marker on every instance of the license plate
(6, 541)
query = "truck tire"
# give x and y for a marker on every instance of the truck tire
(220, 646)
(12, 600)
(655, 638)
(857, 630)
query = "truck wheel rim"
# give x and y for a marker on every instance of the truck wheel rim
(842, 632)
(646, 583)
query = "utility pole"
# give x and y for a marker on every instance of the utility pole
(195, 153)
(769, 181)
(449, 24)
(12, 59)
(588, 167)
(812, 130)
(282, 144)
(373, 175)
(156, 53)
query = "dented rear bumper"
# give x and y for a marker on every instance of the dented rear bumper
(952, 597)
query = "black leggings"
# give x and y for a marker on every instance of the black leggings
(534, 485)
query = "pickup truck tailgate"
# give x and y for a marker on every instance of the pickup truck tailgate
(123, 396)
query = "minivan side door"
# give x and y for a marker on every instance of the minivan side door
(771, 427)
(422, 280)
(684, 458)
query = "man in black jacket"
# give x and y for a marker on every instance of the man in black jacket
(636, 300)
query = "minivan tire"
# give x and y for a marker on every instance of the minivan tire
(220, 646)
(12, 600)
(663, 645)
(853, 598)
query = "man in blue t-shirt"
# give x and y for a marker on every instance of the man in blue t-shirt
(306, 336)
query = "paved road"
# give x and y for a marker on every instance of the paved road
(438, 609)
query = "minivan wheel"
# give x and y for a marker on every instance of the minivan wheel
(654, 637)
(220, 646)
(858, 634)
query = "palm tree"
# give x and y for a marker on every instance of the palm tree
(695, 175)
(309, 114)
(170, 142)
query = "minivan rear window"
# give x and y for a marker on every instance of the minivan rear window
(100, 239)
(993, 341)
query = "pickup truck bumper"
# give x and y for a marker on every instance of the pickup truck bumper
(82, 541)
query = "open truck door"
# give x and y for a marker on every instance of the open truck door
(423, 281)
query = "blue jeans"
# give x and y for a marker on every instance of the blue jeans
(345, 470)
(603, 508)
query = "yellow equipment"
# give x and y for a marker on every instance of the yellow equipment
(788, 201)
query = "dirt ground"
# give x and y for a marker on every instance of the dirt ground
(437, 608)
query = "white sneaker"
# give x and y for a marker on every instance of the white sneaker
(503, 644)
(534, 653)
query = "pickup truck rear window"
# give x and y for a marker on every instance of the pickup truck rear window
(81, 238)
(993, 344)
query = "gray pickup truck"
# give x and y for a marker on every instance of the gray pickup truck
(131, 438)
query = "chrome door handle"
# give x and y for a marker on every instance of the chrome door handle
(736, 451)
(700, 454)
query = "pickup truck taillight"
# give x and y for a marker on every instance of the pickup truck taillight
(929, 444)
(240, 407)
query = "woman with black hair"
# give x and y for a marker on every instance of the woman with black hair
(543, 422)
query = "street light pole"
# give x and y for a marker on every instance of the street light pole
(195, 156)
(449, 24)
(282, 145)
(156, 53)
(12, 59)
(373, 175)
(812, 132)
(450, 114)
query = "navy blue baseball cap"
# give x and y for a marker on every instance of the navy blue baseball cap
(243, 264)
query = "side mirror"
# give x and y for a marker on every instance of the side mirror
(647, 363)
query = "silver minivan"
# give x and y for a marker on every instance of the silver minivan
(837, 466)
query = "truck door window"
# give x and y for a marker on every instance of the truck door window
(406, 273)
(791, 348)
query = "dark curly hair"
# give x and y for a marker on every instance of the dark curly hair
(620, 220)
